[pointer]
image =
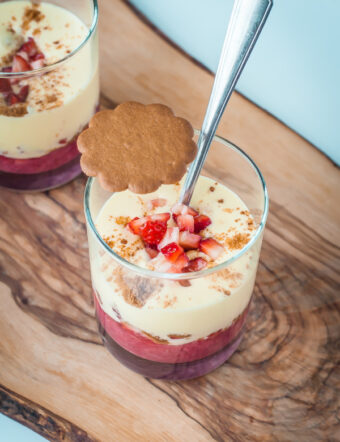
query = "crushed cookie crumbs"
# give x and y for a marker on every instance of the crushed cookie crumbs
(237, 241)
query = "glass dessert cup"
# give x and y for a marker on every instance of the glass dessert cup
(38, 141)
(174, 343)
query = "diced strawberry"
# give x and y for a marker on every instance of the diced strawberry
(160, 217)
(195, 265)
(12, 99)
(178, 266)
(29, 47)
(172, 251)
(151, 251)
(171, 235)
(201, 222)
(185, 222)
(136, 224)
(161, 264)
(5, 85)
(182, 209)
(19, 64)
(23, 92)
(23, 55)
(38, 56)
(37, 64)
(189, 240)
(157, 202)
(152, 232)
(211, 247)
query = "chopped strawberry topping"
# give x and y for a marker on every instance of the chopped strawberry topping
(152, 232)
(160, 217)
(23, 55)
(189, 240)
(161, 264)
(38, 56)
(185, 222)
(182, 209)
(22, 94)
(179, 264)
(171, 235)
(157, 202)
(211, 247)
(195, 265)
(29, 47)
(37, 64)
(201, 222)
(172, 251)
(19, 64)
(151, 251)
(136, 224)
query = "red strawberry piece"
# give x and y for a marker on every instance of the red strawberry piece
(151, 251)
(23, 55)
(172, 251)
(136, 224)
(201, 222)
(38, 56)
(189, 240)
(160, 217)
(157, 202)
(180, 263)
(161, 264)
(23, 92)
(5, 85)
(182, 209)
(211, 247)
(152, 232)
(19, 64)
(171, 235)
(185, 222)
(12, 99)
(29, 47)
(37, 64)
(195, 265)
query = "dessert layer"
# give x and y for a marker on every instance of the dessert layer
(165, 309)
(60, 103)
(148, 348)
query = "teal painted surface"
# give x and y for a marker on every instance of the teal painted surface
(294, 70)
(11, 431)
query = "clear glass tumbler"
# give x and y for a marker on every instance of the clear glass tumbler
(128, 331)
(44, 106)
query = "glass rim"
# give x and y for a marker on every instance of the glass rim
(54, 65)
(192, 275)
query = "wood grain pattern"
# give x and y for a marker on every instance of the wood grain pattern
(282, 384)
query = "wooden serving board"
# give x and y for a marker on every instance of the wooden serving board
(283, 382)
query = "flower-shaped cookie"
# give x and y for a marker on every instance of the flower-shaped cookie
(136, 147)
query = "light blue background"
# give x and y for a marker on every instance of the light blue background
(11, 431)
(293, 71)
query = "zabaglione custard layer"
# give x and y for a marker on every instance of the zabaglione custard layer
(59, 103)
(154, 318)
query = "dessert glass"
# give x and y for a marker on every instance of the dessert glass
(52, 133)
(221, 326)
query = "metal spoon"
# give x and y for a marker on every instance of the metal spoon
(245, 25)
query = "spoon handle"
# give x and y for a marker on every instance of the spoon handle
(245, 25)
